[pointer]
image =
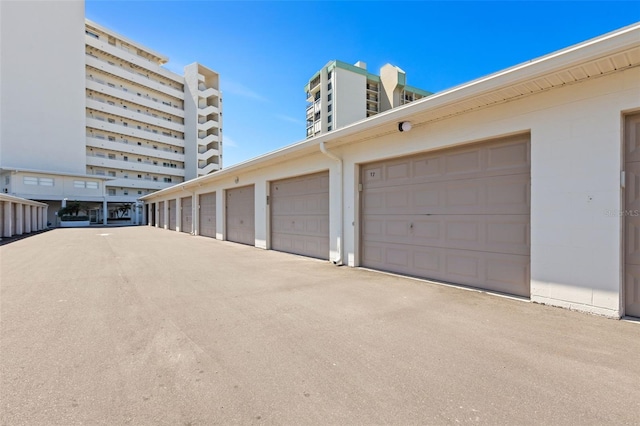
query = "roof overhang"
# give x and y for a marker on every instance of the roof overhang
(48, 172)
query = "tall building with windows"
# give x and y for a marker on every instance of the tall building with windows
(340, 94)
(106, 122)
(147, 127)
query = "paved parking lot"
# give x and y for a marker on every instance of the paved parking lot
(143, 326)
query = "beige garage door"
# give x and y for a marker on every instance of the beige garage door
(459, 215)
(240, 209)
(161, 214)
(300, 215)
(186, 214)
(632, 219)
(207, 215)
(172, 215)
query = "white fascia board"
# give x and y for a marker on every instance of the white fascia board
(14, 199)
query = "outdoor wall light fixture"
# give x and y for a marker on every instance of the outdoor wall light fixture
(404, 126)
(237, 179)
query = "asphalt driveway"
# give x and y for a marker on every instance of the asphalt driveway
(143, 326)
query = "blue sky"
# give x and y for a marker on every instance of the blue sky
(266, 51)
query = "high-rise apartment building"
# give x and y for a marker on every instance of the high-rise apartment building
(340, 94)
(90, 115)
(146, 126)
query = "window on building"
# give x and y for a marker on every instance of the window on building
(139, 160)
(92, 34)
(112, 139)
(45, 181)
(112, 156)
(111, 102)
(139, 176)
(111, 191)
(167, 179)
(29, 180)
(125, 192)
(155, 179)
(111, 120)
(329, 108)
(112, 174)
(125, 124)
(329, 97)
(111, 85)
(125, 158)
(329, 118)
(92, 185)
(330, 128)
(78, 184)
(139, 192)
(329, 74)
(329, 86)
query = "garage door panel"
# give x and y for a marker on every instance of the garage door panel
(509, 274)
(292, 243)
(497, 272)
(315, 184)
(240, 208)
(632, 139)
(631, 220)
(161, 214)
(492, 195)
(186, 214)
(633, 240)
(632, 290)
(512, 156)
(460, 215)
(172, 215)
(632, 185)
(300, 204)
(505, 157)
(207, 213)
(300, 215)
(307, 225)
(463, 163)
(491, 233)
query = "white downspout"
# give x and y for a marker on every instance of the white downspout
(323, 149)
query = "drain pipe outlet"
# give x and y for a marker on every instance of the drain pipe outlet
(323, 149)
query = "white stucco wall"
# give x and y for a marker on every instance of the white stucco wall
(349, 98)
(576, 160)
(62, 186)
(42, 105)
